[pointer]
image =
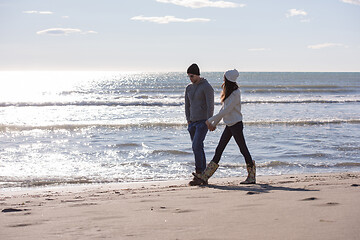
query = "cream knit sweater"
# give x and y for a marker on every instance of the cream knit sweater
(230, 111)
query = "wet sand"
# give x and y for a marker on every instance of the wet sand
(310, 206)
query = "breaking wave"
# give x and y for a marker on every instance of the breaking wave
(72, 126)
(162, 103)
(280, 164)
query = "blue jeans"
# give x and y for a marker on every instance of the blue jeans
(198, 131)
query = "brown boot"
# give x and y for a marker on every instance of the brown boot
(208, 172)
(251, 178)
(196, 182)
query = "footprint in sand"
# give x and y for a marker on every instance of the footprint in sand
(21, 225)
(332, 203)
(177, 210)
(252, 193)
(183, 211)
(309, 199)
(326, 221)
(7, 210)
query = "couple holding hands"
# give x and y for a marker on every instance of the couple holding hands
(199, 109)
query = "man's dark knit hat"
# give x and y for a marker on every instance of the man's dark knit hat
(193, 69)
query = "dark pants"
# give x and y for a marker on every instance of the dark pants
(235, 131)
(198, 131)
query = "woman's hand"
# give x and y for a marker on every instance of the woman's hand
(210, 127)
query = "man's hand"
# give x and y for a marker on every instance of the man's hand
(210, 127)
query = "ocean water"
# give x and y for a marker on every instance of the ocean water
(96, 127)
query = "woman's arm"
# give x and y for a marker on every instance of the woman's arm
(231, 101)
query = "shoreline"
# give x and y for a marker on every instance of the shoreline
(135, 184)
(294, 206)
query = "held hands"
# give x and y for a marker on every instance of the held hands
(210, 127)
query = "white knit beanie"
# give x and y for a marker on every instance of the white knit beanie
(231, 75)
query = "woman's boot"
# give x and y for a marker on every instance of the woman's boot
(208, 172)
(251, 178)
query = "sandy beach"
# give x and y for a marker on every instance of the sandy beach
(310, 206)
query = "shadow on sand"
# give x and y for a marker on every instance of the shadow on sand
(258, 188)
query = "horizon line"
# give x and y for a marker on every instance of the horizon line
(176, 71)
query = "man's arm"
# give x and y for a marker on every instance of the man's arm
(209, 95)
(187, 106)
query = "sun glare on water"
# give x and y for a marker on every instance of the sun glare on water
(51, 89)
(37, 86)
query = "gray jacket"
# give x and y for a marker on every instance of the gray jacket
(199, 101)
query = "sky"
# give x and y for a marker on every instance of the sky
(170, 35)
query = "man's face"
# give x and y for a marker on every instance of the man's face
(194, 78)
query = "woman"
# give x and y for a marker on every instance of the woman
(230, 112)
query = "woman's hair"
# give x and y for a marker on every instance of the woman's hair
(228, 87)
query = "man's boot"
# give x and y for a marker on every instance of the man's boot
(196, 181)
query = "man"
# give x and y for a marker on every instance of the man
(199, 106)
